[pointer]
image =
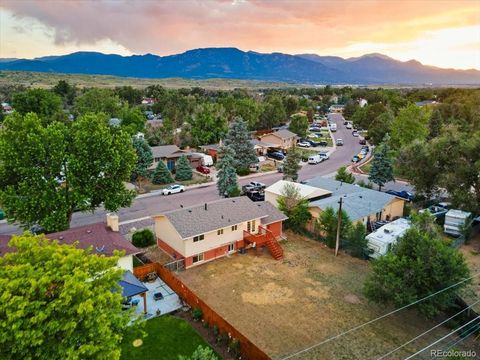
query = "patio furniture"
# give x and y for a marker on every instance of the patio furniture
(151, 277)
(135, 302)
(158, 296)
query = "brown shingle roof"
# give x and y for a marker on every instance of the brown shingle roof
(283, 134)
(164, 151)
(99, 236)
(222, 213)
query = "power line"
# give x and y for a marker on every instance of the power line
(426, 332)
(441, 339)
(463, 336)
(377, 319)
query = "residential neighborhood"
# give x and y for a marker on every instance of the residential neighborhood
(239, 180)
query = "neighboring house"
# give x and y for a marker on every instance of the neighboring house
(170, 154)
(148, 101)
(103, 238)
(362, 103)
(336, 108)
(211, 150)
(261, 147)
(206, 232)
(360, 204)
(282, 139)
(311, 193)
(426, 103)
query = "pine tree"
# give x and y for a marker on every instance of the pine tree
(238, 139)
(183, 169)
(227, 183)
(162, 175)
(435, 124)
(144, 158)
(381, 170)
(291, 164)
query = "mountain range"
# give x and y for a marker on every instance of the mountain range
(232, 63)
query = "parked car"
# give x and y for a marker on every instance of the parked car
(256, 195)
(173, 189)
(304, 144)
(403, 194)
(362, 142)
(324, 156)
(333, 127)
(339, 142)
(349, 126)
(314, 128)
(322, 143)
(345, 122)
(355, 133)
(366, 147)
(314, 143)
(2, 214)
(280, 168)
(318, 134)
(203, 169)
(257, 185)
(314, 159)
(363, 152)
(355, 159)
(277, 155)
(360, 156)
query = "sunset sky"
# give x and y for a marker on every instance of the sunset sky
(434, 32)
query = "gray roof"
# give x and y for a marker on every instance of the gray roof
(164, 151)
(222, 213)
(358, 202)
(284, 134)
(124, 228)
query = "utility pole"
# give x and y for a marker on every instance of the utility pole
(339, 225)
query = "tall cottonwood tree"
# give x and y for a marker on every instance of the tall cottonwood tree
(48, 172)
(62, 302)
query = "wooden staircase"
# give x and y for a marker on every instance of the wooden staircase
(265, 237)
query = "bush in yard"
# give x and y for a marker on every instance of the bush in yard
(364, 184)
(420, 264)
(183, 169)
(234, 347)
(197, 314)
(215, 330)
(344, 175)
(356, 242)
(143, 238)
(327, 224)
(293, 205)
(201, 353)
(242, 171)
(162, 175)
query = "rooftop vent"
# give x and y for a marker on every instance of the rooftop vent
(387, 231)
(89, 231)
(181, 206)
(206, 207)
(189, 210)
(60, 238)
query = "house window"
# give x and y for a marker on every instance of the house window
(220, 232)
(198, 238)
(234, 227)
(253, 225)
(249, 226)
(157, 159)
(197, 258)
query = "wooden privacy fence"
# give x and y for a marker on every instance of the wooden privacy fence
(248, 349)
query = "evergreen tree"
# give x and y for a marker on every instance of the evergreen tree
(299, 125)
(238, 139)
(381, 170)
(435, 124)
(356, 241)
(183, 169)
(291, 164)
(227, 183)
(144, 159)
(344, 176)
(162, 175)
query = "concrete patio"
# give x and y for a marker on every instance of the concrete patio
(168, 304)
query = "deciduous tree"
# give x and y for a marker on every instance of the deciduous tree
(299, 125)
(327, 224)
(46, 173)
(409, 125)
(293, 205)
(344, 176)
(46, 104)
(61, 302)
(291, 164)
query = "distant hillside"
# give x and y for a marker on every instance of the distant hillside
(232, 63)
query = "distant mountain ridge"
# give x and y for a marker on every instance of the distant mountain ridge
(232, 63)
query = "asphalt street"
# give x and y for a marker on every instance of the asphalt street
(151, 205)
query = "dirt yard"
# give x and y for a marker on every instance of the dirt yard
(285, 306)
(471, 251)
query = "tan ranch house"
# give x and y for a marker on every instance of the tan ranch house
(281, 139)
(208, 231)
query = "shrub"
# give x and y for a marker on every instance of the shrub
(242, 171)
(215, 331)
(234, 347)
(143, 238)
(197, 314)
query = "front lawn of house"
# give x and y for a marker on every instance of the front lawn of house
(166, 338)
(196, 179)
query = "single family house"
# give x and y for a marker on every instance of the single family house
(282, 139)
(170, 154)
(202, 233)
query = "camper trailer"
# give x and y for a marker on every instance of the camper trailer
(381, 240)
(454, 220)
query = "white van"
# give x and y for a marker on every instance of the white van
(314, 159)
(333, 127)
(207, 160)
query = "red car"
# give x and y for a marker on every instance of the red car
(203, 169)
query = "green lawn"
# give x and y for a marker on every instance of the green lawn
(166, 338)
